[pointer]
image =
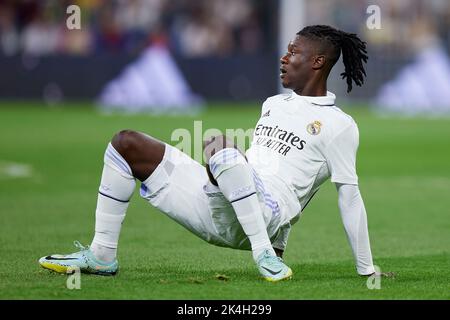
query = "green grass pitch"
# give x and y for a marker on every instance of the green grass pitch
(49, 201)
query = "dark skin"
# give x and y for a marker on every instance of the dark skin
(144, 153)
(306, 73)
(304, 69)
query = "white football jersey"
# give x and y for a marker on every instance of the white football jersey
(301, 141)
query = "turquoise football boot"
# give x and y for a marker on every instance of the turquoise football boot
(83, 259)
(272, 268)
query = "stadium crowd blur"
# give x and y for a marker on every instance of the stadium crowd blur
(220, 29)
(409, 64)
(190, 28)
(402, 21)
(202, 27)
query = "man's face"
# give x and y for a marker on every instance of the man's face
(296, 64)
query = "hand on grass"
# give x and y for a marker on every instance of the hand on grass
(382, 274)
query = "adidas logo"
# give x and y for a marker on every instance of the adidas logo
(266, 114)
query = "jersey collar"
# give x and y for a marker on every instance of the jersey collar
(321, 101)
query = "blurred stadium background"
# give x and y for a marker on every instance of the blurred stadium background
(222, 55)
(224, 49)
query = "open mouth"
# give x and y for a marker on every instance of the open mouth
(282, 72)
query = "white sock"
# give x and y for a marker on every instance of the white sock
(235, 179)
(116, 188)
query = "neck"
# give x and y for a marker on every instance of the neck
(312, 92)
(315, 87)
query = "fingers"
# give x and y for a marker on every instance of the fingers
(382, 274)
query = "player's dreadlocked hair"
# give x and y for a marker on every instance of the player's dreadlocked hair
(354, 51)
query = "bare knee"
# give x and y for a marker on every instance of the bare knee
(215, 144)
(142, 152)
(125, 141)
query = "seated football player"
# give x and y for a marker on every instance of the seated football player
(246, 201)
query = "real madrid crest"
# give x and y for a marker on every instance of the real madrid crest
(314, 128)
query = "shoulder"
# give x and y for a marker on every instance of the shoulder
(343, 116)
(342, 121)
(342, 128)
(276, 99)
(274, 102)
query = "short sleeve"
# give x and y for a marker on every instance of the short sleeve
(340, 154)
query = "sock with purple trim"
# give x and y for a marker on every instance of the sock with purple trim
(235, 179)
(116, 188)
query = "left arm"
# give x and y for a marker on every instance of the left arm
(354, 218)
(341, 158)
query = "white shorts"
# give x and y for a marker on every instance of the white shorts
(180, 188)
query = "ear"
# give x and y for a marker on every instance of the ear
(318, 62)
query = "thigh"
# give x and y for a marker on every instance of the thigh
(176, 187)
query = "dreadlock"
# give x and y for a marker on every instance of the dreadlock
(353, 50)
